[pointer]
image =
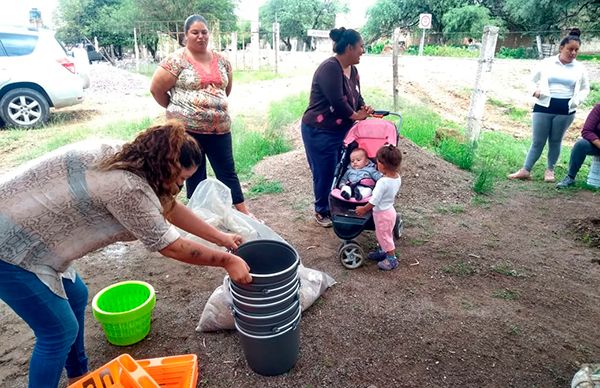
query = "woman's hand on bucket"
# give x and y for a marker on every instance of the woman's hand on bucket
(238, 270)
(231, 241)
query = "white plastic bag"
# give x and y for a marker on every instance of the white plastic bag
(217, 313)
(212, 202)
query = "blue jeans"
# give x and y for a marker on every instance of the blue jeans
(323, 149)
(581, 149)
(56, 322)
(551, 128)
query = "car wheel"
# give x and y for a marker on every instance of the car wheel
(24, 108)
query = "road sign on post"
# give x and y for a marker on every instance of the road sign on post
(424, 24)
(425, 20)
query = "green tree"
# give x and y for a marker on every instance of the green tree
(468, 20)
(544, 15)
(385, 15)
(295, 17)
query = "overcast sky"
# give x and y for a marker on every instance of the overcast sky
(16, 12)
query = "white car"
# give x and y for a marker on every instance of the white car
(36, 73)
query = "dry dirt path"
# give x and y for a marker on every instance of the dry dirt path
(504, 296)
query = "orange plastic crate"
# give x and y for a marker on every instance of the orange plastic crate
(122, 372)
(174, 371)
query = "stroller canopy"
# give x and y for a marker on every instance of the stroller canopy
(371, 134)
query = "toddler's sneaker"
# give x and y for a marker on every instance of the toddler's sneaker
(388, 264)
(377, 255)
(345, 194)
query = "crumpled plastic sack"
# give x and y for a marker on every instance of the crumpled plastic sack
(218, 313)
(587, 377)
(212, 202)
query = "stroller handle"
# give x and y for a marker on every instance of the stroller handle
(383, 113)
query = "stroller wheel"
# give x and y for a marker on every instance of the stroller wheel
(398, 227)
(351, 254)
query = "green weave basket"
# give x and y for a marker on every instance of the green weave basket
(124, 311)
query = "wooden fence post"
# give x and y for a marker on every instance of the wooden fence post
(484, 66)
(396, 37)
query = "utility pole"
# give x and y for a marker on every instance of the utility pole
(396, 37)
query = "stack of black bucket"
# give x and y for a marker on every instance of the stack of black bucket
(267, 311)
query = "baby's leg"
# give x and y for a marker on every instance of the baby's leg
(362, 192)
(346, 191)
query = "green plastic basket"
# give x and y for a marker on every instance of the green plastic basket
(125, 310)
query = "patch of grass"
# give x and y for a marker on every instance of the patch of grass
(594, 96)
(588, 57)
(517, 114)
(250, 147)
(507, 269)
(515, 330)
(467, 305)
(418, 242)
(459, 154)
(506, 294)
(60, 136)
(286, 111)
(9, 137)
(146, 69)
(450, 209)
(248, 76)
(263, 186)
(460, 268)
(495, 102)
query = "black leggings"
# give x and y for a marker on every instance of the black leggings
(219, 151)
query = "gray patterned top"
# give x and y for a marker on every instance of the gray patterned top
(59, 207)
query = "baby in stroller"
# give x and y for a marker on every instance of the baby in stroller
(368, 135)
(359, 179)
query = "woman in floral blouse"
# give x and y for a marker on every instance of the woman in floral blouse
(83, 197)
(193, 84)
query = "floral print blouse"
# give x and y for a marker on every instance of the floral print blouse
(198, 98)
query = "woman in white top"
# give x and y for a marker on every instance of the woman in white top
(559, 85)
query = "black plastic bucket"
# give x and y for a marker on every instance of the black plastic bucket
(265, 319)
(272, 355)
(283, 293)
(270, 262)
(270, 328)
(267, 308)
(265, 289)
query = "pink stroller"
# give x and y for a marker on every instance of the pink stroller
(369, 134)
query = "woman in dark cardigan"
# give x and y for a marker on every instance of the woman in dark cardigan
(335, 104)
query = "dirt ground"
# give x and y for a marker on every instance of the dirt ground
(505, 294)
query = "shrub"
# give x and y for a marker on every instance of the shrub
(517, 53)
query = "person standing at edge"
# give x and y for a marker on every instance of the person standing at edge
(335, 104)
(588, 144)
(193, 84)
(560, 84)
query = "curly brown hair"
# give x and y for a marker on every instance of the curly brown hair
(158, 155)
